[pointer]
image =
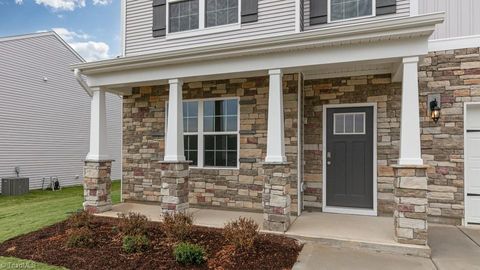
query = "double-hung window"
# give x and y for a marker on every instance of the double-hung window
(184, 15)
(349, 9)
(211, 137)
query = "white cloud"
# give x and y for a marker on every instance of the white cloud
(61, 4)
(102, 2)
(68, 35)
(90, 50)
(69, 5)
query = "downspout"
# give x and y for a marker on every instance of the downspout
(81, 81)
(299, 145)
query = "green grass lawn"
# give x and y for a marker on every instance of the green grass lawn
(38, 209)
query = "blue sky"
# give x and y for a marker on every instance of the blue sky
(92, 27)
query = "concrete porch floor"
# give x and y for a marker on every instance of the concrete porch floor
(337, 230)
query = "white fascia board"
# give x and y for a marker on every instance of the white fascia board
(386, 29)
(454, 43)
(289, 61)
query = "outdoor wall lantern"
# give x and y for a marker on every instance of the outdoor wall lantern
(434, 110)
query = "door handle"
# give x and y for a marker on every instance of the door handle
(329, 162)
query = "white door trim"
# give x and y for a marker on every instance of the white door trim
(465, 150)
(349, 210)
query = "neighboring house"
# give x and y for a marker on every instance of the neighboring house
(291, 105)
(45, 113)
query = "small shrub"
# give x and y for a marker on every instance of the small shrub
(133, 224)
(177, 225)
(241, 233)
(136, 243)
(81, 238)
(81, 219)
(189, 254)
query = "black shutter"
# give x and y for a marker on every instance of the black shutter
(386, 7)
(249, 11)
(318, 11)
(159, 18)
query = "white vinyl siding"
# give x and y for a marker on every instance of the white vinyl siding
(461, 17)
(274, 18)
(403, 9)
(44, 126)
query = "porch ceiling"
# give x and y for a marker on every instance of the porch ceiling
(384, 42)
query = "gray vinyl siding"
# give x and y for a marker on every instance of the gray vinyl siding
(462, 17)
(403, 9)
(44, 126)
(275, 17)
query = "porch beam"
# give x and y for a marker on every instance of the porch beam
(275, 132)
(410, 149)
(98, 126)
(174, 138)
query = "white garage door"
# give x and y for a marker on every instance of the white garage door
(472, 164)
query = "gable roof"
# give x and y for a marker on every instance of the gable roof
(43, 34)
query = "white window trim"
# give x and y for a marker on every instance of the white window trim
(349, 133)
(202, 30)
(329, 13)
(200, 133)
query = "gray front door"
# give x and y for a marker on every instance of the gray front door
(349, 157)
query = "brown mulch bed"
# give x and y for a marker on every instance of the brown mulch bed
(49, 246)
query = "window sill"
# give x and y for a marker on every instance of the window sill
(351, 19)
(216, 168)
(204, 31)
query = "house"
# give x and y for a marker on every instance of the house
(285, 106)
(45, 113)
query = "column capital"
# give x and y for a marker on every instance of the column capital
(95, 89)
(411, 59)
(175, 81)
(275, 72)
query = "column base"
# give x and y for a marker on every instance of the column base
(97, 186)
(174, 189)
(276, 197)
(410, 204)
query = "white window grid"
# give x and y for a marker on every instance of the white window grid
(201, 133)
(354, 114)
(329, 17)
(201, 23)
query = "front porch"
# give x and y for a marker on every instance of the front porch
(374, 234)
(249, 128)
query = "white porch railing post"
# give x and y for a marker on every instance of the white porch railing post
(410, 149)
(275, 132)
(98, 127)
(174, 138)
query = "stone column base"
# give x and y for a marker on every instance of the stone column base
(174, 189)
(276, 197)
(410, 204)
(97, 186)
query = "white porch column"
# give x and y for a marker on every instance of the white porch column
(98, 127)
(275, 132)
(174, 138)
(410, 149)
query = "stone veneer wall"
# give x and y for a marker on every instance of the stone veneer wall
(373, 88)
(455, 75)
(143, 143)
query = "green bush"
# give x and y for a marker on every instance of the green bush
(133, 224)
(177, 226)
(189, 254)
(81, 238)
(138, 243)
(241, 233)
